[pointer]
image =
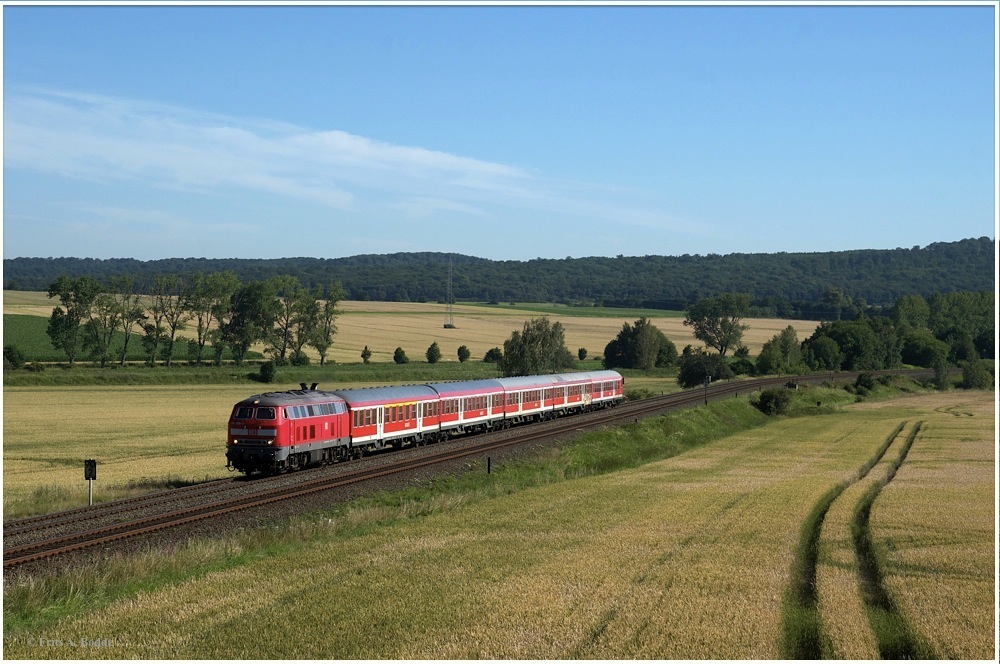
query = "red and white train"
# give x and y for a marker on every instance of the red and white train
(279, 431)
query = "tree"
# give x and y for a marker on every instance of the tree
(822, 353)
(639, 346)
(399, 356)
(464, 353)
(696, 365)
(253, 311)
(582, 354)
(493, 355)
(13, 356)
(129, 308)
(781, 355)
(976, 375)
(208, 302)
(322, 337)
(716, 320)
(77, 297)
(910, 312)
(292, 300)
(539, 348)
(100, 327)
(366, 354)
(433, 353)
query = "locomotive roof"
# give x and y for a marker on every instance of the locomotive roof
(291, 397)
(367, 396)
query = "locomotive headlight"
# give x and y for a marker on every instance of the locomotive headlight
(235, 441)
(270, 442)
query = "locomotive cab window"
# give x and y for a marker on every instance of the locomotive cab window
(244, 413)
(265, 413)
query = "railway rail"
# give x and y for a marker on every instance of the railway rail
(34, 538)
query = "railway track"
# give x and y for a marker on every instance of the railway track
(34, 539)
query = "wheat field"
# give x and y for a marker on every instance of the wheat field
(685, 558)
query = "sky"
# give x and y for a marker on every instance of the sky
(503, 132)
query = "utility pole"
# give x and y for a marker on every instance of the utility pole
(449, 315)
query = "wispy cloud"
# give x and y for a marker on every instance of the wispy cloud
(100, 138)
(110, 140)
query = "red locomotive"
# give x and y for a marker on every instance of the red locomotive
(279, 431)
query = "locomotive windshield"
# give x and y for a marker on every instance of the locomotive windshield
(265, 413)
(244, 413)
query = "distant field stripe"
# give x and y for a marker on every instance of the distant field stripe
(800, 617)
(896, 639)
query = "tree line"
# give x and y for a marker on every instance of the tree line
(815, 286)
(949, 329)
(99, 320)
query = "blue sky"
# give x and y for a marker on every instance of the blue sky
(502, 132)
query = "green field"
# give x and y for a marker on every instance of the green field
(687, 557)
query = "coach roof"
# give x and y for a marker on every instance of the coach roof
(373, 396)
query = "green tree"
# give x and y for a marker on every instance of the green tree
(399, 356)
(782, 354)
(77, 297)
(976, 375)
(207, 302)
(290, 296)
(696, 365)
(100, 327)
(13, 356)
(822, 353)
(493, 355)
(464, 353)
(433, 353)
(129, 308)
(366, 354)
(639, 346)
(910, 312)
(254, 308)
(539, 348)
(716, 320)
(582, 354)
(326, 327)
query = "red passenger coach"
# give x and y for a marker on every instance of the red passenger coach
(472, 405)
(381, 416)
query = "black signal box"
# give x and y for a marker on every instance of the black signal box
(90, 469)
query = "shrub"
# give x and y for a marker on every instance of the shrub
(582, 354)
(267, 373)
(13, 355)
(299, 359)
(399, 356)
(976, 375)
(366, 355)
(464, 353)
(433, 353)
(493, 355)
(865, 380)
(773, 401)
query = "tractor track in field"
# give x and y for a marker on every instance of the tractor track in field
(209, 508)
(802, 622)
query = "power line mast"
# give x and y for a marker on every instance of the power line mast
(449, 312)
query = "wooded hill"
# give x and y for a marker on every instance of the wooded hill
(780, 283)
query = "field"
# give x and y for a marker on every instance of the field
(684, 558)
(382, 326)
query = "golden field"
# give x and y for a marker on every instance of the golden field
(685, 558)
(382, 326)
